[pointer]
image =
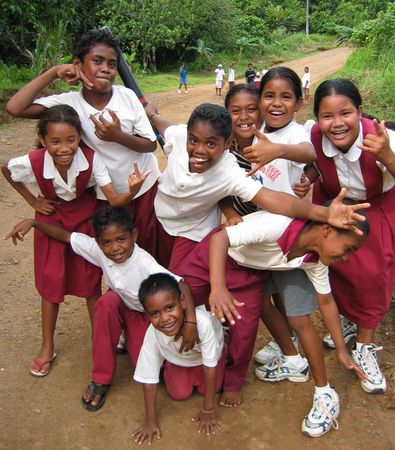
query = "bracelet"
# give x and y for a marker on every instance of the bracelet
(190, 321)
(206, 412)
(152, 115)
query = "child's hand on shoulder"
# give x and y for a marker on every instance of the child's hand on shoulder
(44, 205)
(224, 305)
(378, 145)
(136, 179)
(261, 153)
(72, 75)
(19, 231)
(147, 431)
(207, 422)
(190, 336)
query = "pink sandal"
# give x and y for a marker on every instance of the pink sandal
(41, 364)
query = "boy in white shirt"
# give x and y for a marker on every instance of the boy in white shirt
(201, 368)
(219, 79)
(125, 265)
(230, 259)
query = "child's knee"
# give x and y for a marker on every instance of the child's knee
(107, 302)
(179, 392)
(300, 323)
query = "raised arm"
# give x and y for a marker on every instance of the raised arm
(22, 228)
(337, 214)
(21, 104)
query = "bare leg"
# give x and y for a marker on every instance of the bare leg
(312, 347)
(277, 326)
(279, 304)
(365, 335)
(49, 315)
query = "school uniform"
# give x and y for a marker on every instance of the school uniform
(186, 204)
(259, 243)
(182, 371)
(119, 308)
(119, 159)
(58, 271)
(363, 285)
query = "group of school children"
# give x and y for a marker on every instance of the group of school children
(174, 274)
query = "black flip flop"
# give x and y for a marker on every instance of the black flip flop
(96, 389)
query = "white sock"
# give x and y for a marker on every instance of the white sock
(294, 360)
(323, 390)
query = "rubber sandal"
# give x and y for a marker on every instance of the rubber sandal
(96, 389)
(41, 364)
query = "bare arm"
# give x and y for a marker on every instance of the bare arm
(231, 215)
(337, 214)
(189, 331)
(159, 122)
(22, 228)
(206, 416)
(21, 104)
(330, 315)
(40, 204)
(150, 426)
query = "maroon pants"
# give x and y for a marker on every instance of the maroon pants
(111, 317)
(246, 285)
(181, 381)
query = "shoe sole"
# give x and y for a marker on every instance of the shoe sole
(373, 391)
(293, 379)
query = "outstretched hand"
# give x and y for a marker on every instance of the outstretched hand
(207, 422)
(378, 144)
(345, 216)
(19, 231)
(136, 179)
(349, 364)
(261, 153)
(147, 431)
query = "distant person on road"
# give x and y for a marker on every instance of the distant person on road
(219, 79)
(183, 79)
(257, 79)
(231, 76)
(250, 75)
(306, 82)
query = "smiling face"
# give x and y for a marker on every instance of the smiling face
(338, 119)
(244, 110)
(165, 311)
(336, 246)
(117, 243)
(204, 145)
(100, 67)
(278, 103)
(61, 141)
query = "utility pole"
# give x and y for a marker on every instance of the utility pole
(307, 17)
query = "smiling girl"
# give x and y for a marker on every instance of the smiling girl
(64, 174)
(358, 153)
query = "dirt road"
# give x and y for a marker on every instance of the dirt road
(46, 413)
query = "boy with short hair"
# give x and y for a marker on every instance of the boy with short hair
(113, 123)
(201, 368)
(125, 265)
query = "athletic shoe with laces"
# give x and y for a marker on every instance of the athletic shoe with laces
(279, 370)
(349, 330)
(366, 360)
(272, 351)
(323, 414)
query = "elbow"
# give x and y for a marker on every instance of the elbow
(11, 110)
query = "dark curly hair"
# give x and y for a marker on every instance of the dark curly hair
(216, 115)
(156, 283)
(111, 215)
(58, 114)
(91, 38)
(242, 87)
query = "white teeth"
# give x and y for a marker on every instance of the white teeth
(201, 160)
(245, 125)
(276, 113)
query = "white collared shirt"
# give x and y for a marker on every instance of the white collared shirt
(117, 158)
(157, 347)
(125, 278)
(22, 171)
(186, 203)
(254, 243)
(281, 174)
(349, 169)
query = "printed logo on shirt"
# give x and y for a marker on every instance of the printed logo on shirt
(270, 172)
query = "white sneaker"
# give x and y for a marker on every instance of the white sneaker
(121, 346)
(186, 92)
(279, 370)
(349, 330)
(179, 92)
(273, 351)
(322, 416)
(366, 360)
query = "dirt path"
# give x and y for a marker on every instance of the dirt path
(46, 414)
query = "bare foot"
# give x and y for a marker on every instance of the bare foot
(231, 399)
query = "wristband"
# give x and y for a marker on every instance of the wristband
(207, 412)
(190, 321)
